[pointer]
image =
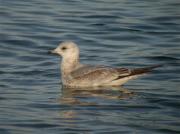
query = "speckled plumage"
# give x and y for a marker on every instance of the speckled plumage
(75, 74)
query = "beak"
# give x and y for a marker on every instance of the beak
(52, 52)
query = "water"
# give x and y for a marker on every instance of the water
(127, 33)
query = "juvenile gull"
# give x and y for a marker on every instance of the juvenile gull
(75, 74)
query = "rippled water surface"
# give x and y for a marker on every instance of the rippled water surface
(127, 33)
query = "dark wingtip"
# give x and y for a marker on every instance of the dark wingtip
(144, 70)
(140, 71)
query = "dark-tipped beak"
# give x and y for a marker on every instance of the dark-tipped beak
(52, 52)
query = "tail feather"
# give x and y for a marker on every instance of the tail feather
(144, 70)
(139, 71)
(134, 73)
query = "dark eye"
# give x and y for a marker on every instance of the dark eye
(64, 48)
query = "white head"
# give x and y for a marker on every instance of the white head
(70, 56)
(68, 50)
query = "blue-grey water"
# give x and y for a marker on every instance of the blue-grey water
(126, 33)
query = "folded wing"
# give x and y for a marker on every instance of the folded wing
(100, 74)
(106, 73)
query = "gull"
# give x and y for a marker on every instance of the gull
(76, 75)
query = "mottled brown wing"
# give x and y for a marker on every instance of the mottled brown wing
(98, 73)
(123, 71)
(85, 69)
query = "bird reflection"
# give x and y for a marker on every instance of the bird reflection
(76, 96)
(78, 101)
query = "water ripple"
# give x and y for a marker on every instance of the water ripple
(115, 33)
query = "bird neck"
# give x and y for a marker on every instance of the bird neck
(68, 65)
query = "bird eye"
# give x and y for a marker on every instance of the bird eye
(63, 48)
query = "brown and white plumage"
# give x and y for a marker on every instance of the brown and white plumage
(75, 74)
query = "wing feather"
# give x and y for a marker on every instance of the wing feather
(98, 73)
